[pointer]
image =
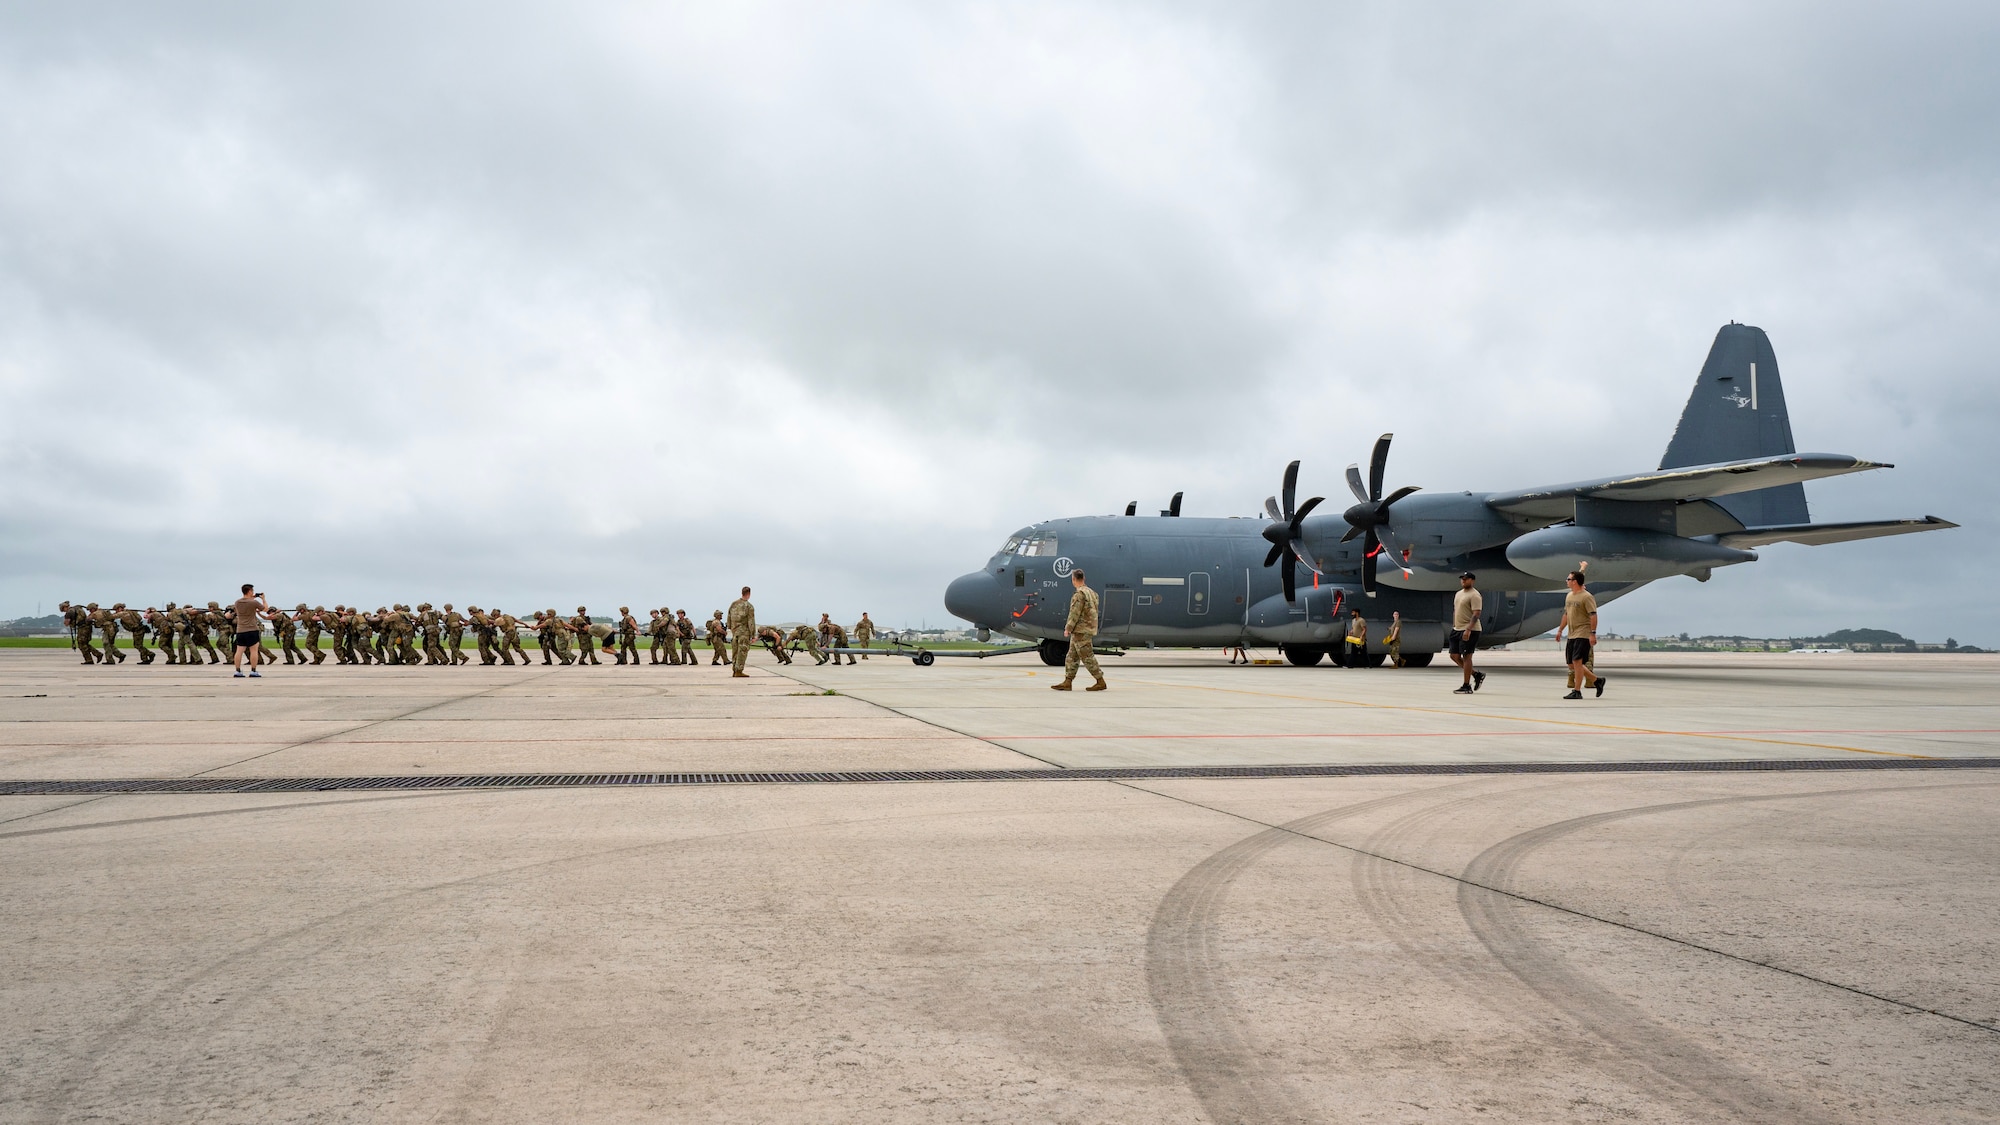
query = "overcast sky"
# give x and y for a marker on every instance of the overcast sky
(630, 304)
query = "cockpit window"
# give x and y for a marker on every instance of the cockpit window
(1037, 545)
(1012, 543)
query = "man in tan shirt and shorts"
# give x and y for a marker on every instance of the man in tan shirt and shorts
(249, 612)
(1466, 606)
(1580, 618)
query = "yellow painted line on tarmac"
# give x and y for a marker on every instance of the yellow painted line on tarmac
(1546, 722)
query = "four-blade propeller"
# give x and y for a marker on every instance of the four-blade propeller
(1370, 516)
(1283, 531)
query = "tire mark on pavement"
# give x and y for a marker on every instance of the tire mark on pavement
(1186, 975)
(1495, 913)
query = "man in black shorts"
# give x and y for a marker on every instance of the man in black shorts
(1466, 606)
(1580, 618)
(250, 611)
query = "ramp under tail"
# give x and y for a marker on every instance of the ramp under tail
(1737, 411)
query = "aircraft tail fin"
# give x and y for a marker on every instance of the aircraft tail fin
(1737, 411)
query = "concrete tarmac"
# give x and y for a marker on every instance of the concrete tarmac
(1653, 947)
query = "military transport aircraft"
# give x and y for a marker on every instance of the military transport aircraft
(1730, 481)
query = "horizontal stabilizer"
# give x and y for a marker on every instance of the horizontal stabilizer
(1815, 534)
(1695, 482)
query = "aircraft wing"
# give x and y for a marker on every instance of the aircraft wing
(1816, 534)
(1693, 482)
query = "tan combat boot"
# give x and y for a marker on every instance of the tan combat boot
(1064, 686)
(1098, 686)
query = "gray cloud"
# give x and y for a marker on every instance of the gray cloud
(575, 303)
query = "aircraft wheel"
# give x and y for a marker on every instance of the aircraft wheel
(924, 659)
(1304, 656)
(1053, 653)
(1418, 660)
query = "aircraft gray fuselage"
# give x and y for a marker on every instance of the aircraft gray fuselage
(1187, 581)
(1729, 481)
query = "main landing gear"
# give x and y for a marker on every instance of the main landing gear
(1053, 652)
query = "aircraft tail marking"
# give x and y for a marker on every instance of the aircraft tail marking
(1737, 412)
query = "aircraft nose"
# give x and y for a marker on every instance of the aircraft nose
(971, 597)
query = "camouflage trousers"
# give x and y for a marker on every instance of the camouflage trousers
(628, 645)
(511, 643)
(110, 635)
(194, 643)
(485, 641)
(739, 650)
(1080, 653)
(434, 648)
(288, 643)
(687, 650)
(663, 644)
(456, 639)
(586, 649)
(81, 641)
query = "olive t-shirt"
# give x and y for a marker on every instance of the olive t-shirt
(1577, 608)
(246, 616)
(1465, 609)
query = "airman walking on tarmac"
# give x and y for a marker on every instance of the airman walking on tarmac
(1081, 629)
(684, 632)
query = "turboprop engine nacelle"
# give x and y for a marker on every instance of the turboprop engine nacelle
(1619, 554)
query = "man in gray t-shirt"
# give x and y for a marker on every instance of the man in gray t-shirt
(249, 613)
(1466, 606)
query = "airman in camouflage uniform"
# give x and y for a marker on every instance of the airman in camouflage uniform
(839, 636)
(181, 619)
(76, 620)
(361, 637)
(628, 635)
(433, 626)
(286, 629)
(657, 630)
(199, 623)
(718, 636)
(580, 624)
(454, 635)
(409, 637)
(742, 624)
(135, 624)
(163, 632)
(1081, 629)
(508, 629)
(774, 641)
(552, 631)
(314, 620)
(107, 633)
(684, 632)
(864, 633)
(808, 637)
